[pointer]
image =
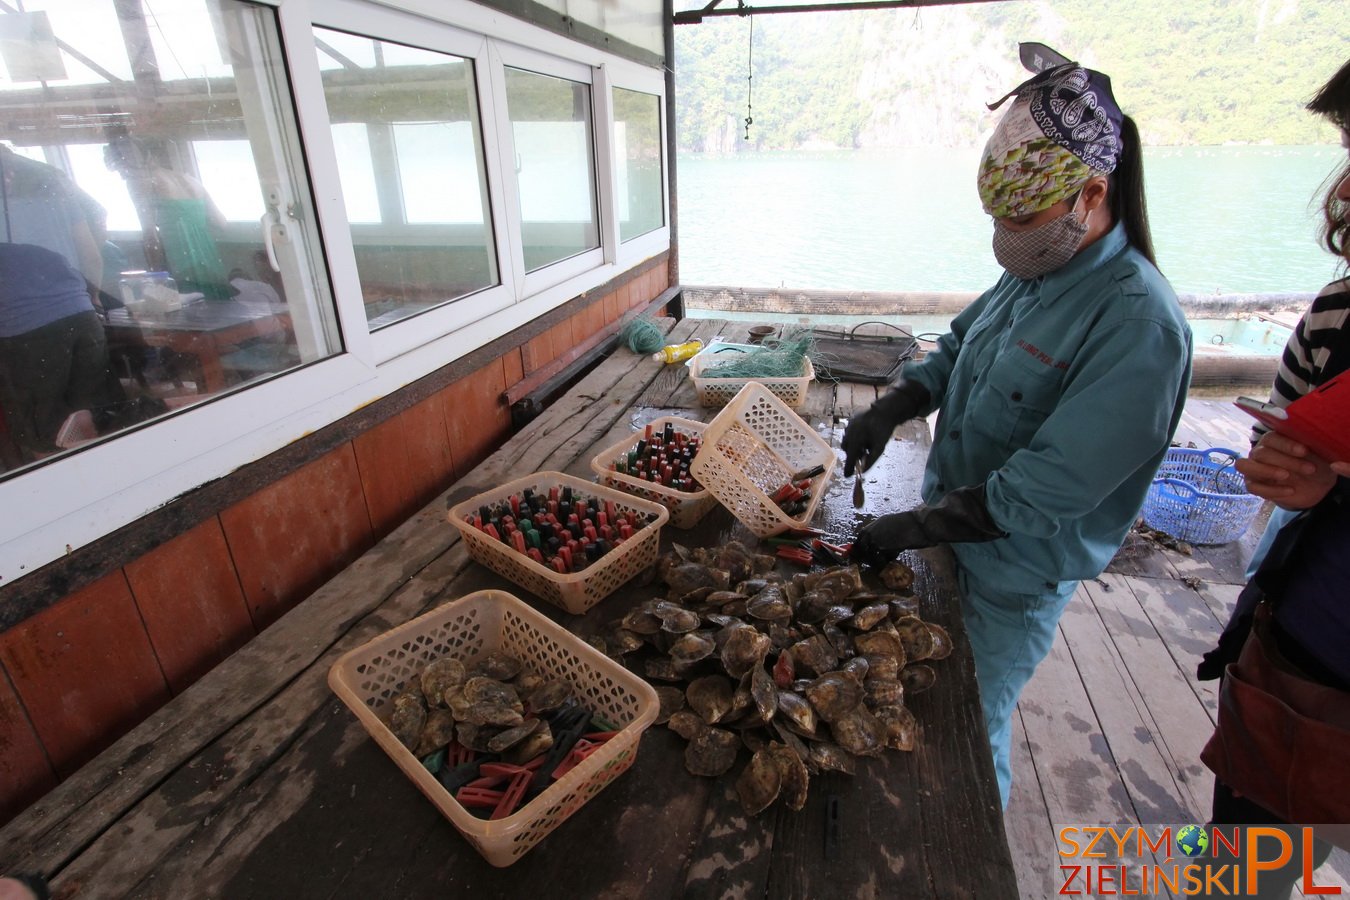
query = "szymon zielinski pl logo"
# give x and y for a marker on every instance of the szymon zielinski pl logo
(1190, 860)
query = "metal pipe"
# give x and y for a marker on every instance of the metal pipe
(694, 16)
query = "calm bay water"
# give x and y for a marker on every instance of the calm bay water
(1225, 219)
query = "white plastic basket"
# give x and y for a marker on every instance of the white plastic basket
(720, 391)
(369, 677)
(686, 507)
(751, 449)
(575, 592)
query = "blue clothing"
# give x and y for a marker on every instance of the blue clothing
(1314, 607)
(37, 287)
(1010, 633)
(1061, 395)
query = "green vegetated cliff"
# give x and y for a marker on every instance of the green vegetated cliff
(1188, 71)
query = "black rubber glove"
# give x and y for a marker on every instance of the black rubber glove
(960, 517)
(867, 433)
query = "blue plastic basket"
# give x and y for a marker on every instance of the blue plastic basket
(1198, 496)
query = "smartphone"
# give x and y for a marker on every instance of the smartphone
(1267, 414)
(1328, 443)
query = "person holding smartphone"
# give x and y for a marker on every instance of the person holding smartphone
(1302, 585)
(1319, 346)
(1059, 388)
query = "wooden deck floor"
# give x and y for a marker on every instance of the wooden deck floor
(1109, 730)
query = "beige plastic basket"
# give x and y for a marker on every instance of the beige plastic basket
(751, 449)
(686, 507)
(369, 677)
(720, 391)
(575, 592)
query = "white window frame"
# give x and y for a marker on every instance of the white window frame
(72, 501)
(631, 77)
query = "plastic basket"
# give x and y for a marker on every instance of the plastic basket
(369, 677)
(686, 507)
(575, 592)
(1197, 496)
(751, 449)
(720, 391)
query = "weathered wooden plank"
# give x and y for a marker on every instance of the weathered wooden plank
(246, 681)
(1031, 838)
(1149, 774)
(673, 389)
(334, 788)
(159, 823)
(59, 826)
(1186, 625)
(1175, 721)
(1220, 598)
(285, 794)
(1141, 558)
(1079, 778)
(957, 854)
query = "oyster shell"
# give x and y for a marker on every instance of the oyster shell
(835, 694)
(897, 576)
(942, 642)
(918, 678)
(759, 783)
(497, 666)
(916, 638)
(710, 697)
(711, 752)
(794, 779)
(440, 676)
(407, 717)
(859, 732)
(438, 731)
(745, 648)
(671, 699)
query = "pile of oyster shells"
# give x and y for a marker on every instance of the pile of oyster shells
(806, 672)
(495, 705)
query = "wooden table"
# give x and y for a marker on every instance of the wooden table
(258, 782)
(206, 330)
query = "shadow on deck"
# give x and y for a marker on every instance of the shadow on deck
(1109, 730)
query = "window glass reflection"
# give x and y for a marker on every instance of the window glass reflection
(555, 165)
(637, 150)
(409, 151)
(141, 268)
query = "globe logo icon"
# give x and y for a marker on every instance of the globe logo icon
(1192, 840)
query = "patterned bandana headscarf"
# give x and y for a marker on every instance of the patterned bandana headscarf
(1063, 128)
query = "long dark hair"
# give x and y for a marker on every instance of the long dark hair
(1127, 190)
(1332, 102)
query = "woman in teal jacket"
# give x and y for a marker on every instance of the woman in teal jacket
(1059, 389)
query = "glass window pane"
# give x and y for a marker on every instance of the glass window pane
(555, 164)
(637, 148)
(409, 150)
(141, 271)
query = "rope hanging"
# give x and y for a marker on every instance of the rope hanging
(749, 73)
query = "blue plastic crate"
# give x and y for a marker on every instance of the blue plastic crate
(1197, 496)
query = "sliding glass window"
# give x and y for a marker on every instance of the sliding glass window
(155, 251)
(555, 166)
(637, 156)
(410, 157)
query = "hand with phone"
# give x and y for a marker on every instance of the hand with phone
(1282, 470)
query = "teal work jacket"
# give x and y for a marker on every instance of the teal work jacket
(1061, 395)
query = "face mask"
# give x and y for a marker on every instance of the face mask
(1029, 254)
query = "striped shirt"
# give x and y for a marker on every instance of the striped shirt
(1303, 365)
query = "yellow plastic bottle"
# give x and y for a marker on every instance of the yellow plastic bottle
(677, 352)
